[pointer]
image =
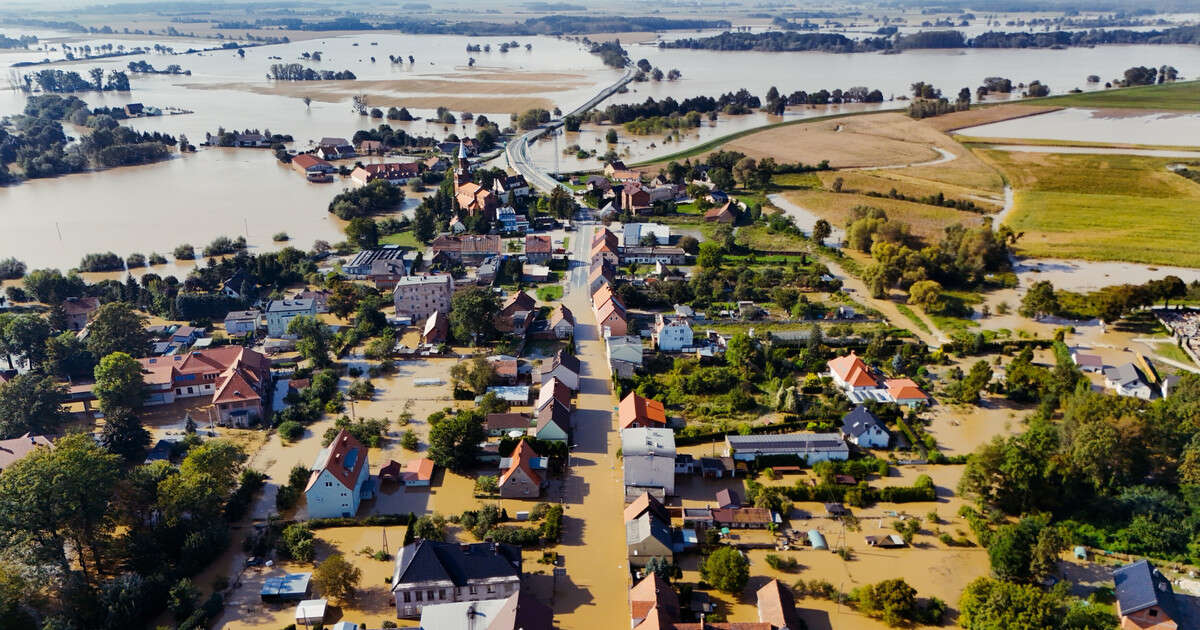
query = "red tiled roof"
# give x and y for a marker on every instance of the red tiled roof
(307, 161)
(522, 458)
(904, 389)
(80, 306)
(538, 244)
(748, 515)
(643, 503)
(777, 605)
(852, 370)
(506, 421)
(16, 449)
(235, 388)
(561, 313)
(419, 469)
(645, 411)
(653, 591)
(334, 457)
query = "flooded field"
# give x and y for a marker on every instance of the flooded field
(1094, 125)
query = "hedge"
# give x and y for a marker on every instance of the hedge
(349, 521)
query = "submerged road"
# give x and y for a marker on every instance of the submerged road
(517, 150)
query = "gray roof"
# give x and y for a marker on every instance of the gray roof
(287, 306)
(647, 442)
(859, 421)
(792, 441)
(645, 527)
(1140, 586)
(432, 561)
(1123, 374)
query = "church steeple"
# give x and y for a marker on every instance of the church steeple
(463, 171)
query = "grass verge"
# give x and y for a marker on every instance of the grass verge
(920, 323)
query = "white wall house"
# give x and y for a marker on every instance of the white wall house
(280, 313)
(672, 334)
(339, 479)
(862, 428)
(649, 458)
(813, 447)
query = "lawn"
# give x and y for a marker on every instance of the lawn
(805, 181)
(549, 293)
(908, 312)
(759, 238)
(1102, 207)
(1183, 95)
(1173, 352)
(405, 238)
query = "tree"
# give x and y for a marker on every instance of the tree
(181, 599)
(476, 375)
(337, 579)
(727, 570)
(31, 404)
(689, 244)
(471, 313)
(1039, 300)
(429, 527)
(710, 255)
(26, 335)
(611, 136)
(363, 232)
(60, 495)
(978, 378)
(893, 601)
(119, 382)
(424, 224)
(118, 328)
(206, 479)
(721, 178)
(67, 356)
(123, 434)
(343, 298)
(990, 604)
(454, 441)
(745, 171)
(925, 293)
(313, 339)
(741, 352)
(821, 231)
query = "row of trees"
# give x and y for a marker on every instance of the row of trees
(298, 72)
(58, 81)
(1108, 304)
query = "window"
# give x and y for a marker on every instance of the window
(441, 593)
(474, 591)
(419, 593)
(429, 595)
(491, 589)
(407, 597)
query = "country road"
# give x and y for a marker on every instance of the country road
(517, 150)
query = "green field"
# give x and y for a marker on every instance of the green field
(1102, 207)
(1182, 95)
(405, 238)
(550, 293)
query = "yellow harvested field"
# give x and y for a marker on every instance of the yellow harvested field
(473, 96)
(837, 208)
(874, 140)
(986, 115)
(884, 181)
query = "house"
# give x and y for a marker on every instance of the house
(813, 447)
(320, 298)
(505, 367)
(777, 606)
(510, 220)
(605, 245)
(653, 255)
(721, 214)
(685, 464)
(851, 374)
(534, 273)
(554, 392)
(291, 587)
(553, 424)
(511, 394)
(14, 450)
(134, 109)
(637, 412)
(385, 274)
(634, 197)
(626, 176)
(514, 315)
(242, 322)
(649, 461)
(421, 296)
(634, 233)
(610, 317)
(564, 367)
(430, 572)
(436, 164)
(614, 166)
(79, 311)
(718, 467)
(609, 211)
(469, 249)
(312, 167)
(237, 379)
(862, 428)
(886, 541)
(311, 612)
(904, 391)
(562, 322)
(280, 313)
(371, 147)
(488, 269)
(519, 611)
(727, 499)
(743, 518)
(1145, 600)
(672, 334)
(624, 355)
(340, 478)
(498, 424)
(717, 196)
(395, 173)
(646, 502)
(437, 329)
(335, 149)
(1127, 380)
(1169, 382)
(597, 183)
(418, 472)
(475, 199)
(538, 248)
(521, 481)
(653, 592)
(1088, 362)
(602, 272)
(646, 538)
(510, 187)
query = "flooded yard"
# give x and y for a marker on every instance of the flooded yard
(1098, 125)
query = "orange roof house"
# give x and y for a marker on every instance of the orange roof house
(720, 214)
(418, 472)
(903, 391)
(475, 199)
(777, 606)
(850, 373)
(638, 412)
(646, 503)
(610, 317)
(653, 592)
(521, 481)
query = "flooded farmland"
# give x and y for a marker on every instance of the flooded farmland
(1099, 126)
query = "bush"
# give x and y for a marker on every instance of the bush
(782, 564)
(280, 237)
(157, 259)
(286, 498)
(107, 261)
(520, 536)
(290, 430)
(184, 252)
(408, 441)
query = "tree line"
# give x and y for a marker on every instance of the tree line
(298, 72)
(545, 25)
(52, 81)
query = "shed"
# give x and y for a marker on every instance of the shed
(311, 612)
(390, 471)
(836, 509)
(287, 588)
(418, 472)
(816, 539)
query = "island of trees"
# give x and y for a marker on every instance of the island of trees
(298, 72)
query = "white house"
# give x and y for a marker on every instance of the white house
(672, 334)
(813, 447)
(340, 479)
(1088, 362)
(242, 322)
(1127, 380)
(280, 313)
(861, 427)
(634, 233)
(850, 373)
(649, 457)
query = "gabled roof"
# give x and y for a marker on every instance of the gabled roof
(1125, 374)
(748, 515)
(521, 611)
(653, 592)
(344, 458)
(564, 359)
(80, 305)
(858, 421)
(506, 421)
(517, 302)
(635, 408)
(646, 503)
(608, 309)
(561, 314)
(646, 527)
(538, 244)
(556, 414)
(15, 449)
(777, 606)
(554, 389)
(904, 389)
(719, 212)
(235, 388)
(852, 370)
(522, 459)
(1140, 586)
(433, 561)
(420, 469)
(728, 498)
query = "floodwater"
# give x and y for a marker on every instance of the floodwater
(1164, 153)
(1092, 125)
(195, 198)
